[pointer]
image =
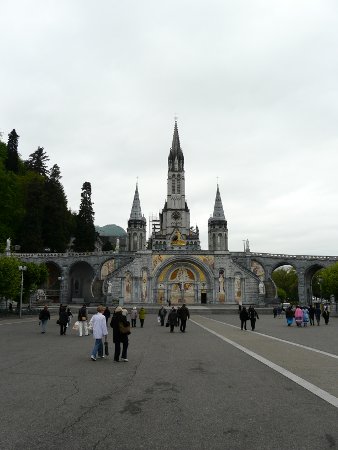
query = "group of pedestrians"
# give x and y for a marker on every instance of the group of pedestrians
(248, 314)
(304, 315)
(176, 317)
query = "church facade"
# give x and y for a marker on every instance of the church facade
(171, 266)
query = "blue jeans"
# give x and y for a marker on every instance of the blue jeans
(43, 325)
(98, 347)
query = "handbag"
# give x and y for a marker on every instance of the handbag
(124, 329)
(167, 324)
(57, 322)
(106, 349)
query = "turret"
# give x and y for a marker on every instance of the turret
(137, 224)
(217, 227)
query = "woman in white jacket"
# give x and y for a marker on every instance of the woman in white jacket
(99, 326)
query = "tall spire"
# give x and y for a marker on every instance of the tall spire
(218, 208)
(136, 212)
(176, 153)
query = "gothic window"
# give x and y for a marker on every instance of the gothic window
(213, 242)
(173, 184)
(178, 185)
(134, 246)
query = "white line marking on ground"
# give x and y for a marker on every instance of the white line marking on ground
(332, 355)
(295, 378)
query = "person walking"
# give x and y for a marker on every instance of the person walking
(70, 316)
(133, 317)
(289, 315)
(318, 313)
(44, 316)
(275, 310)
(172, 319)
(243, 315)
(184, 314)
(83, 320)
(141, 315)
(99, 325)
(312, 315)
(63, 320)
(299, 316)
(121, 330)
(253, 315)
(161, 314)
(106, 313)
(326, 315)
(305, 316)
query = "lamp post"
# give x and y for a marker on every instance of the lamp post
(61, 288)
(320, 280)
(22, 269)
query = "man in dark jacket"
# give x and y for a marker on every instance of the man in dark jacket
(161, 314)
(252, 316)
(118, 322)
(183, 315)
(244, 316)
(44, 316)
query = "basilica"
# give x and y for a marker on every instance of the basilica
(170, 266)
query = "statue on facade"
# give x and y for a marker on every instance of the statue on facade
(247, 246)
(8, 245)
(117, 247)
(261, 288)
(110, 287)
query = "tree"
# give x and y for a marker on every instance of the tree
(56, 226)
(37, 162)
(35, 276)
(12, 161)
(31, 231)
(286, 278)
(85, 234)
(325, 282)
(10, 279)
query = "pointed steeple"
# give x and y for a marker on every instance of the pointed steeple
(176, 154)
(218, 208)
(136, 213)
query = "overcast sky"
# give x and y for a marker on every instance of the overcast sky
(254, 86)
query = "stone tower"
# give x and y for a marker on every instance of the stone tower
(137, 224)
(174, 227)
(217, 227)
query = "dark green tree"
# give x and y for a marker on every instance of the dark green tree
(85, 234)
(12, 161)
(286, 278)
(37, 162)
(56, 226)
(325, 283)
(31, 231)
(10, 279)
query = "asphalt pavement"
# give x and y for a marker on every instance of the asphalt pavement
(209, 388)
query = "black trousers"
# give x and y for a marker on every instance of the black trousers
(124, 349)
(117, 351)
(162, 321)
(142, 322)
(253, 323)
(243, 322)
(172, 326)
(133, 323)
(183, 325)
(63, 328)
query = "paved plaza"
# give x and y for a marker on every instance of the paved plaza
(213, 387)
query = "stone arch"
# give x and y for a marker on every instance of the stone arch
(309, 273)
(183, 280)
(53, 286)
(81, 278)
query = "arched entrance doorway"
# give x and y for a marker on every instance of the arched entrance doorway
(183, 281)
(81, 277)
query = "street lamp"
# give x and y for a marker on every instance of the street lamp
(320, 280)
(61, 288)
(22, 269)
